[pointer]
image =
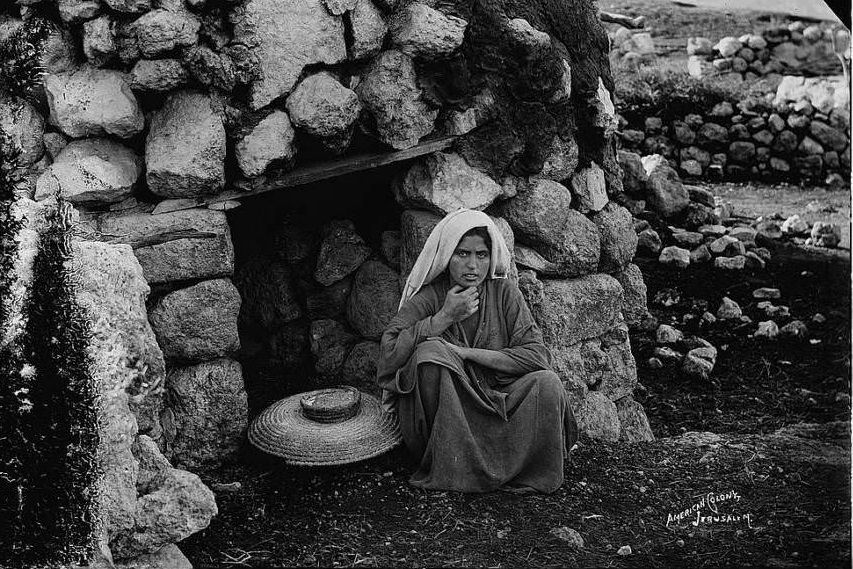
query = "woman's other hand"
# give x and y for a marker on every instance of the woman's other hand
(460, 303)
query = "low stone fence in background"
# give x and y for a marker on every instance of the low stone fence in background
(796, 49)
(800, 134)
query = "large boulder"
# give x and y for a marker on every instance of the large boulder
(341, 252)
(93, 102)
(185, 147)
(415, 227)
(93, 171)
(175, 246)
(325, 109)
(374, 299)
(390, 92)
(156, 33)
(178, 506)
(198, 323)
(25, 126)
(206, 415)
(443, 182)
(113, 290)
(618, 238)
(542, 218)
(421, 31)
(634, 176)
(635, 308)
(271, 140)
(572, 310)
(287, 37)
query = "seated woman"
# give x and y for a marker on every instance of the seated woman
(464, 365)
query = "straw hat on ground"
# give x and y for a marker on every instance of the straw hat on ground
(325, 427)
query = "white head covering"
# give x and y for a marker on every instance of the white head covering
(443, 240)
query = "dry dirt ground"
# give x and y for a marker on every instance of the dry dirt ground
(777, 470)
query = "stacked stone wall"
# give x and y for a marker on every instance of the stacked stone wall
(802, 133)
(152, 107)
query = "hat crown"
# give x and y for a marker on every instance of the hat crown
(331, 405)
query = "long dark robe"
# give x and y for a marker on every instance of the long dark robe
(472, 428)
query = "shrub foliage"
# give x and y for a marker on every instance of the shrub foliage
(48, 414)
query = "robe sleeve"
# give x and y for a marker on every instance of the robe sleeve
(526, 346)
(412, 325)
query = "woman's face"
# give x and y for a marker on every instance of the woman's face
(470, 262)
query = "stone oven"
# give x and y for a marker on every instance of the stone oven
(276, 165)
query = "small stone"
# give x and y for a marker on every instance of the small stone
(325, 109)
(271, 140)
(341, 252)
(795, 330)
(158, 75)
(699, 362)
(700, 254)
(707, 318)
(667, 355)
(589, 190)
(654, 363)
(722, 244)
(767, 329)
(730, 263)
(572, 538)
(753, 261)
(368, 30)
(722, 110)
(766, 293)
(673, 255)
(700, 195)
(713, 230)
(624, 550)
(819, 319)
(745, 235)
(729, 309)
(769, 229)
(795, 225)
(423, 32)
(825, 234)
(649, 242)
(666, 334)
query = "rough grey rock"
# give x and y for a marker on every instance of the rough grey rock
(687, 239)
(374, 299)
(206, 415)
(168, 557)
(649, 242)
(725, 245)
(150, 460)
(572, 310)
(666, 195)
(634, 308)
(604, 117)
(415, 227)
(618, 238)
(701, 254)
(198, 323)
(180, 506)
(287, 36)
(423, 32)
(699, 362)
(735, 263)
(825, 234)
(359, 368)
(368, 30)
(325, 109)
(530, 258)
(589, 190)
(99, 43)
(768, 330)
(92, 102)
(633, 423)
(129, 6)
(156, 33)
(271, 140)
(158, 75)
(185, 147)
(24, 126)
(729, 309)
(746, 235)
(561, 161)
(667, 355)
(728, 46)
(389, 91)
(666, 334)
(341, 252)
(77, 11)
(443, 182)
(541, 216)
(598, 418)
(634, 176)
(330, 344)
(676, 256)
(329, 301)
(390, 248)
(91, 171)
(713, 134)
(176, 246)
(571, 537)
(795, 330)
(112, 289)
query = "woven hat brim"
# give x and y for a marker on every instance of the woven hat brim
(282, 430)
